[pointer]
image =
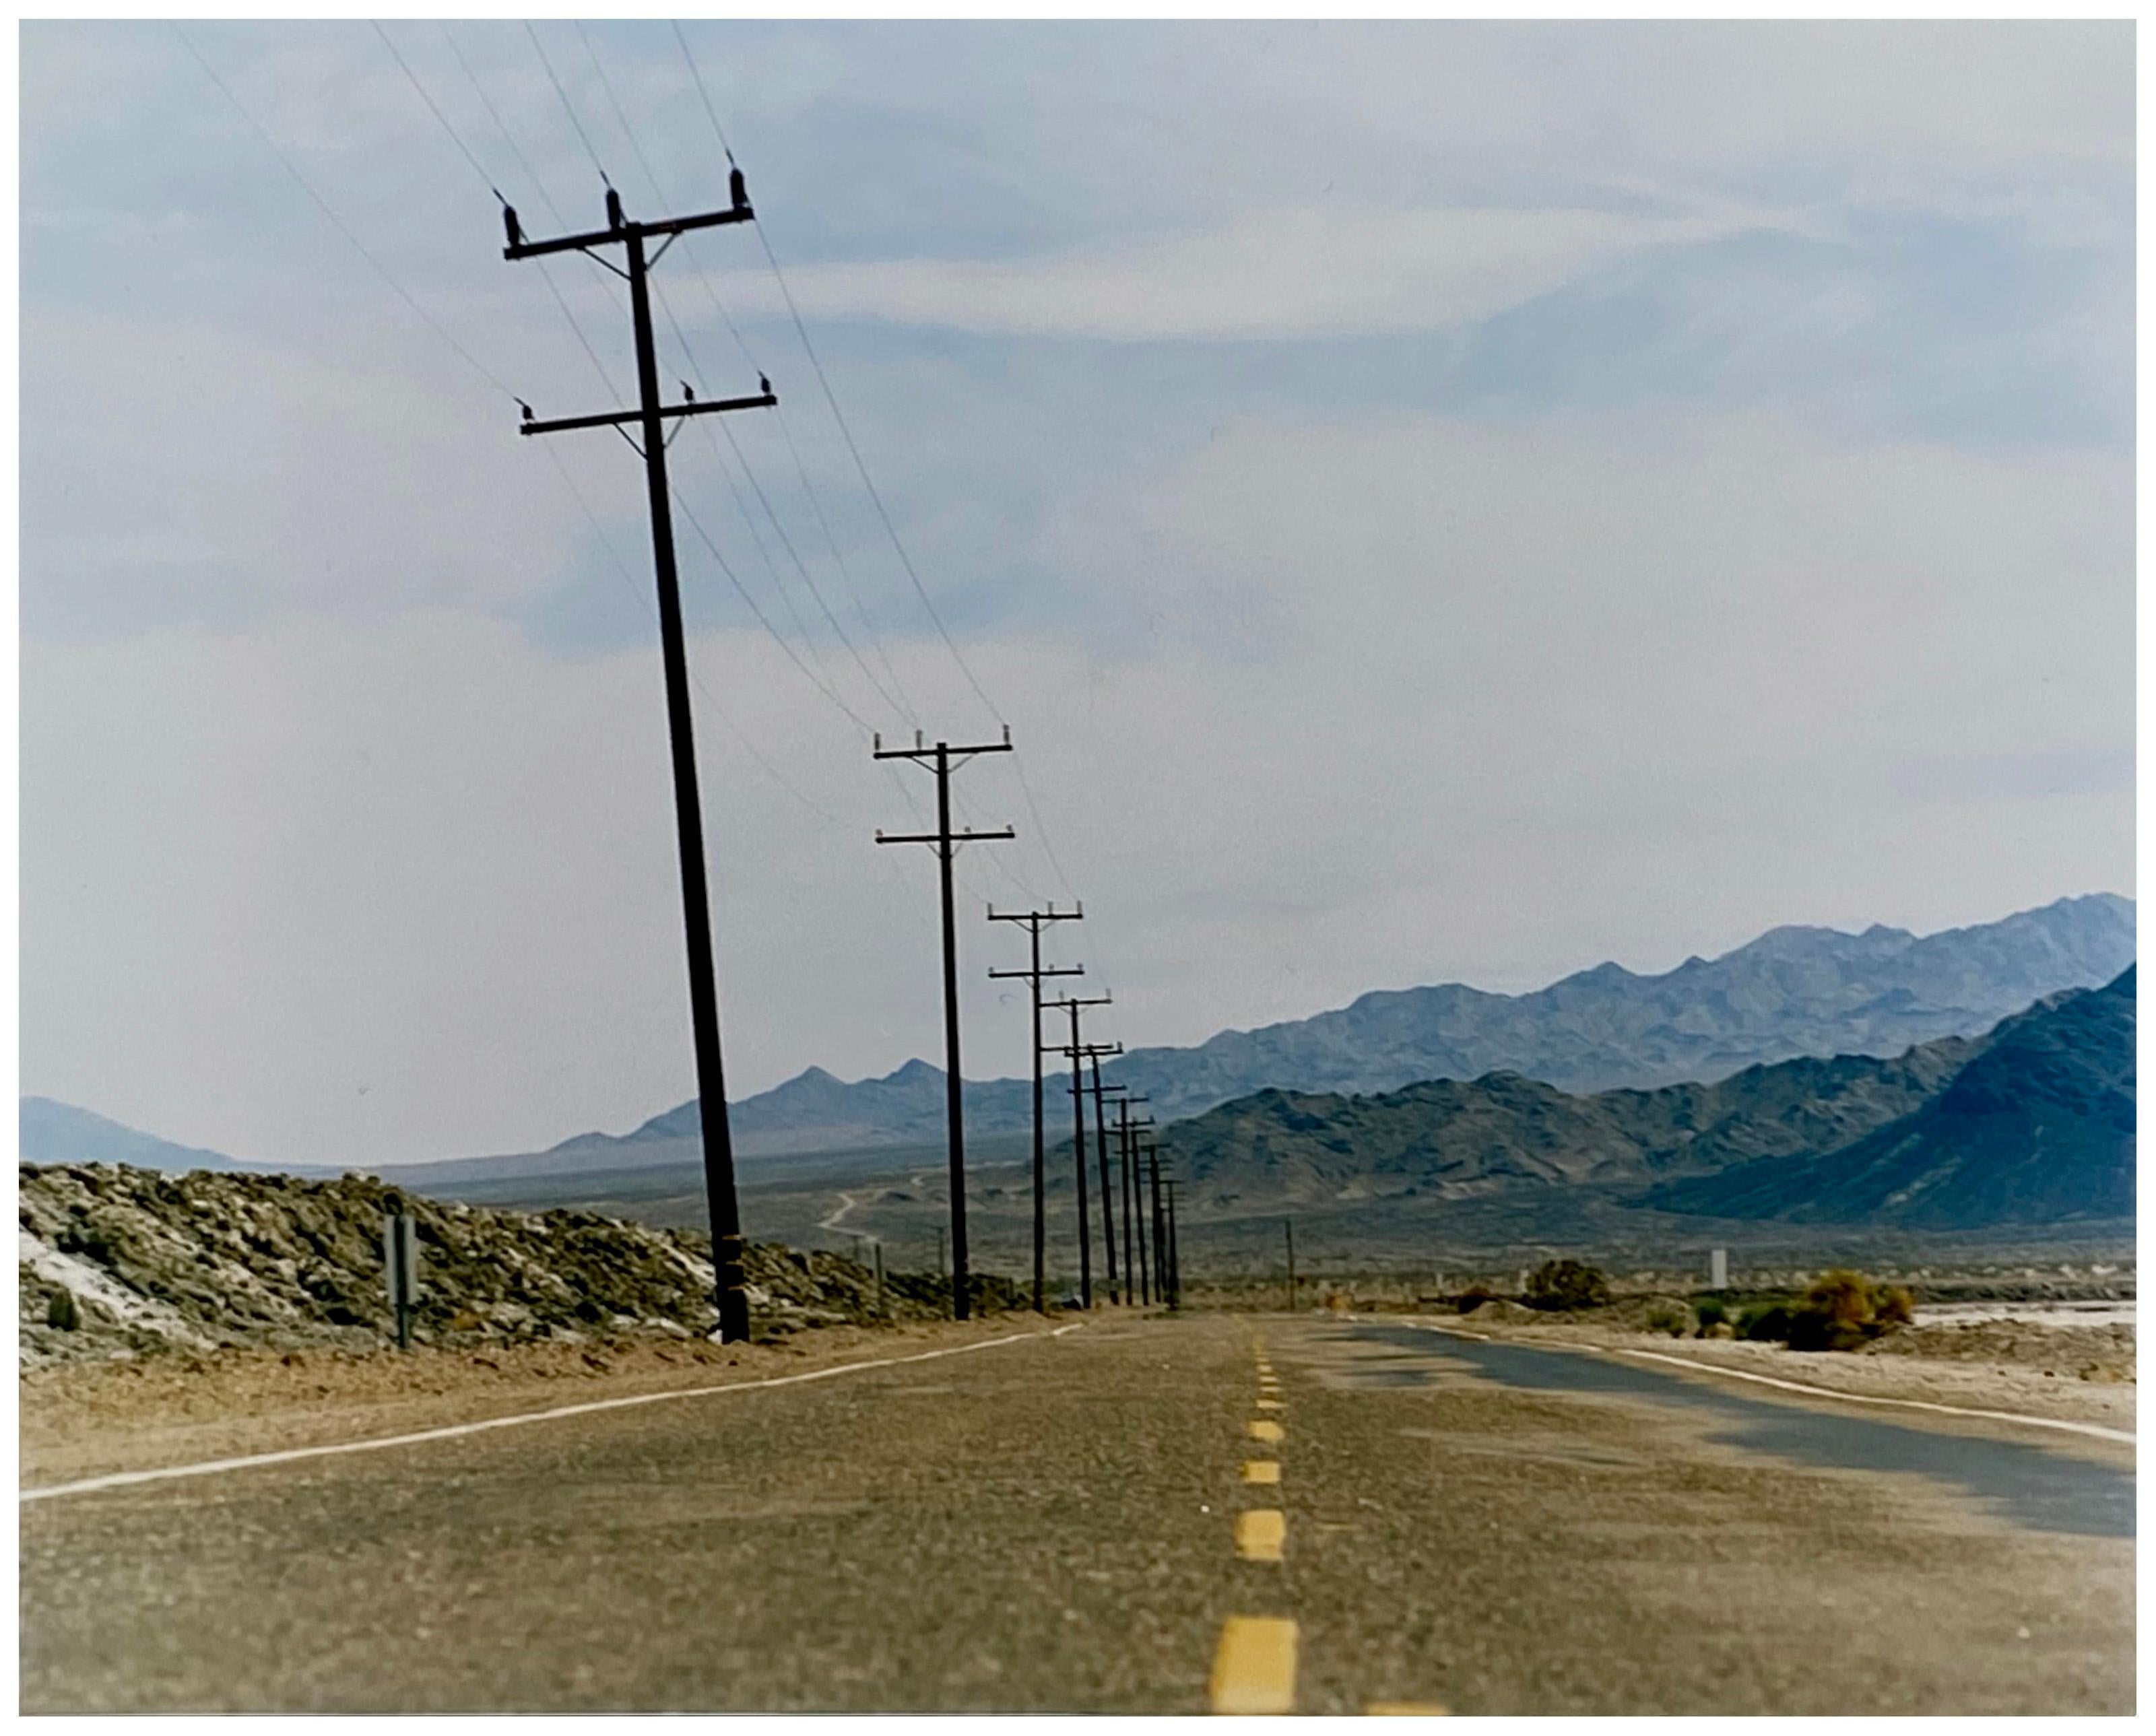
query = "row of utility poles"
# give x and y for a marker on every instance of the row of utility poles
(1159, 1275)
(1147, 1268)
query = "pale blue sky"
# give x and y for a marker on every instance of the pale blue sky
(1432, 501)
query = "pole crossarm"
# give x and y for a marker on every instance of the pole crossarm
(941, 753)
(1045, 970)
(618, 418)
(1084, 1051)
(945, 839)
(619, 232)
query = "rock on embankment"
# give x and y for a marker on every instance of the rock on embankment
(118, 1260)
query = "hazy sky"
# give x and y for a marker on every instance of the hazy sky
(1431, 502)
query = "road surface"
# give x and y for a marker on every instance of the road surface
(1145, 1515)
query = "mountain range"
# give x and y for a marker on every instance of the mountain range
(2031, 1122)
(1793, 991)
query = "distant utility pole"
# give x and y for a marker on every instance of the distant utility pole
(1100, 1143)
(1174, 1249)
(650, 417)
(1035, 921)
(1159, 1222)
(943, 760)
(1125, 1128)
(1288, 1225)
(1074, 1005)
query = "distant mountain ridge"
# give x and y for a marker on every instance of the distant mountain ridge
(58, 1133)
(2030, 1123)
(1793, 992)
(2037, 1128)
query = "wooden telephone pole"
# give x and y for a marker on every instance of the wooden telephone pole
(943, 760)
(1035, 921)
(1074, 1005)
(650, 417)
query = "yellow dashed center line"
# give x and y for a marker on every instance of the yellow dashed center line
(1270, 1405)
(1265, 1429)
(1261, 1533)
(1404, 1708)
(1254, 1667)
(1261, 1470)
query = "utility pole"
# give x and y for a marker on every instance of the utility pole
(943, 760)
(1034, 921)
(1107, 1194)
(1073, 1006)
(1174, 1249)
(1125, 1127)
(1092, 1051)
(1159, 1223)
(1288, 1225)
(650, 417)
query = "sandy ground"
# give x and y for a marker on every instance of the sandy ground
(86, 1419)
(2085, 1375)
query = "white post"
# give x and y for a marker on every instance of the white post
(1718, 1269)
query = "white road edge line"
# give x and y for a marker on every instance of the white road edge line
(120, 1479)
(1824, 1392)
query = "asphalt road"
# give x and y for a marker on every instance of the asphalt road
(1074, 1524)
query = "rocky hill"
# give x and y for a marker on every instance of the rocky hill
(113, 1259)
(2030, 1123)
(2036, 1129)
(1446, 1138)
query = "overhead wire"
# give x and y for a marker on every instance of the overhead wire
(838, 416)
(681, 336)
(337, 222)
(568, 108)
(479, 169)
(845, 428)
(344, 229)
(688, 349)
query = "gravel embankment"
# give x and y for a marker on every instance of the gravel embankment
(116, 1262)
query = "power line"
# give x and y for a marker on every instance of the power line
(838, 415)
(568, 108)
(688, 349)
(487, 180)
(358, 246)
(433, 109)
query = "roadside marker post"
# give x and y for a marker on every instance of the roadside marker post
(1718, 1269)
(400, 1262)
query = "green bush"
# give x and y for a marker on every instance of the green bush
(1712, 1311)
(1472, 1297)
(1567, 1284)
(1672, 1318)
(1843, 1310)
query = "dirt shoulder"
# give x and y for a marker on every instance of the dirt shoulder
(2062, 1373)
(87, 1419)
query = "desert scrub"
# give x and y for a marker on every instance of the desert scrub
(1843, 1310)
(1567, 1284)
(1673, 1319)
